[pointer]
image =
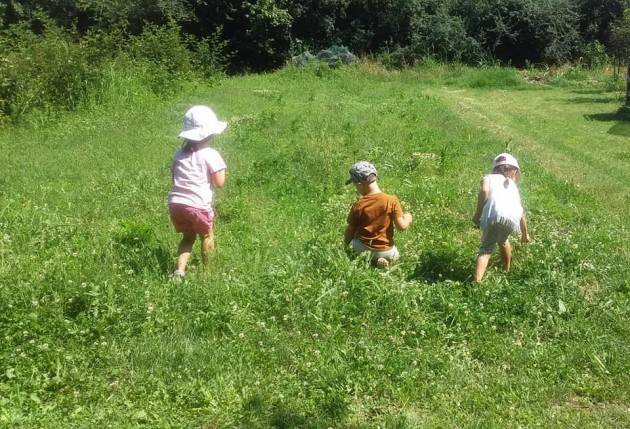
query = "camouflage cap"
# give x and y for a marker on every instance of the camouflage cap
(362, 171)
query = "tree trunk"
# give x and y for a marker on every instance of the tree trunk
(628, 87)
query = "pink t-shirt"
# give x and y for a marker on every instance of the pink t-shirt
(191, 171)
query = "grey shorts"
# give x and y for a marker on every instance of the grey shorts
(494, 234)
(390, 254)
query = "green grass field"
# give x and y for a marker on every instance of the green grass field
(286, 330)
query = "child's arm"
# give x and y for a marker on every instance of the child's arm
(482, 197)
(401, 219)
(218, 179)
(351, 229)
(524, 235)
(403, 222)
(349, 234)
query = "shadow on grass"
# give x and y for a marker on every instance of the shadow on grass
(258, 412)
(594, 91)
(438, 266)
(592, 100)
(621, 117)
(139, 249)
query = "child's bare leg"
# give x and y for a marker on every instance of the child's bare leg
(482, 265)
(207, 246)
(183, 252)
(506, 255)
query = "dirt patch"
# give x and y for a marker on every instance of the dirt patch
(590, 289)
(539, 80)
(576, 402)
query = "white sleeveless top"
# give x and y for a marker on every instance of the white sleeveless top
(504, 203)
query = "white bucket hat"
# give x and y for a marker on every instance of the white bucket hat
(505, 159)
(200, 122)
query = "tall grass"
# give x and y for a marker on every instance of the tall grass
(57, 69)
(286, 329)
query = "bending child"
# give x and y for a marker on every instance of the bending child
(372, 217)
(499, 212)
(196, 171)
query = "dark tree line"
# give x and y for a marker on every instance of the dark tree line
(262, 34)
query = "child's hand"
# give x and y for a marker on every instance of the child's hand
(525, 238)
(476, 221)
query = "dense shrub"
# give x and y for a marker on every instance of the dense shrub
(162, 46)
(594, 55)
(444, 37)
(260, 33)
(620, 39)
(257, 33)
(521, 32)
(597, 16)
(131, 15)
(55, 68)
(41, 71)
(333, 56)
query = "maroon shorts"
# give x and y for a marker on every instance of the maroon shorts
(191, 220)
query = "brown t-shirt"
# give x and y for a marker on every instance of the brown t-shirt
(373, 219)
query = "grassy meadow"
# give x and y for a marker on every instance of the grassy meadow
(285, 330)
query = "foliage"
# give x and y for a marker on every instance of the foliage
(620, 38)
(57, 69)
(163, 47)
(42, 71)
(333, 56)
(594, 55)
(209, 54)
(444, 37)
(597, 17)
(107, 15)
(259, 34)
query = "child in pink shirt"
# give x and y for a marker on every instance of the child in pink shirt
(197, 170)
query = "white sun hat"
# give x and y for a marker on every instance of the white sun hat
(505, 159)
(200, 122)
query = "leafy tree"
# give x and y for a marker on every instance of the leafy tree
(620, 46)
(258, 33)
(130, 15)
(521, 32)
(443, 36)
(597, 17)
(261, 34)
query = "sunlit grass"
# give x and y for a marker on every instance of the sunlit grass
(286, 330)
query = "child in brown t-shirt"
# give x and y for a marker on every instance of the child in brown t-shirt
(372, 217)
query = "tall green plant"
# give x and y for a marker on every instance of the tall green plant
(131, 15)
(42, 71)
(56, 69)
(620, 46)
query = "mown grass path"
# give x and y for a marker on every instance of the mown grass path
(577, 134)
(285, 329)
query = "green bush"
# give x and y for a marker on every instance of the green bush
(209, 54)
(594, 55)
(162, 46)
(56, 69)
(42, 71)
(444, 37)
